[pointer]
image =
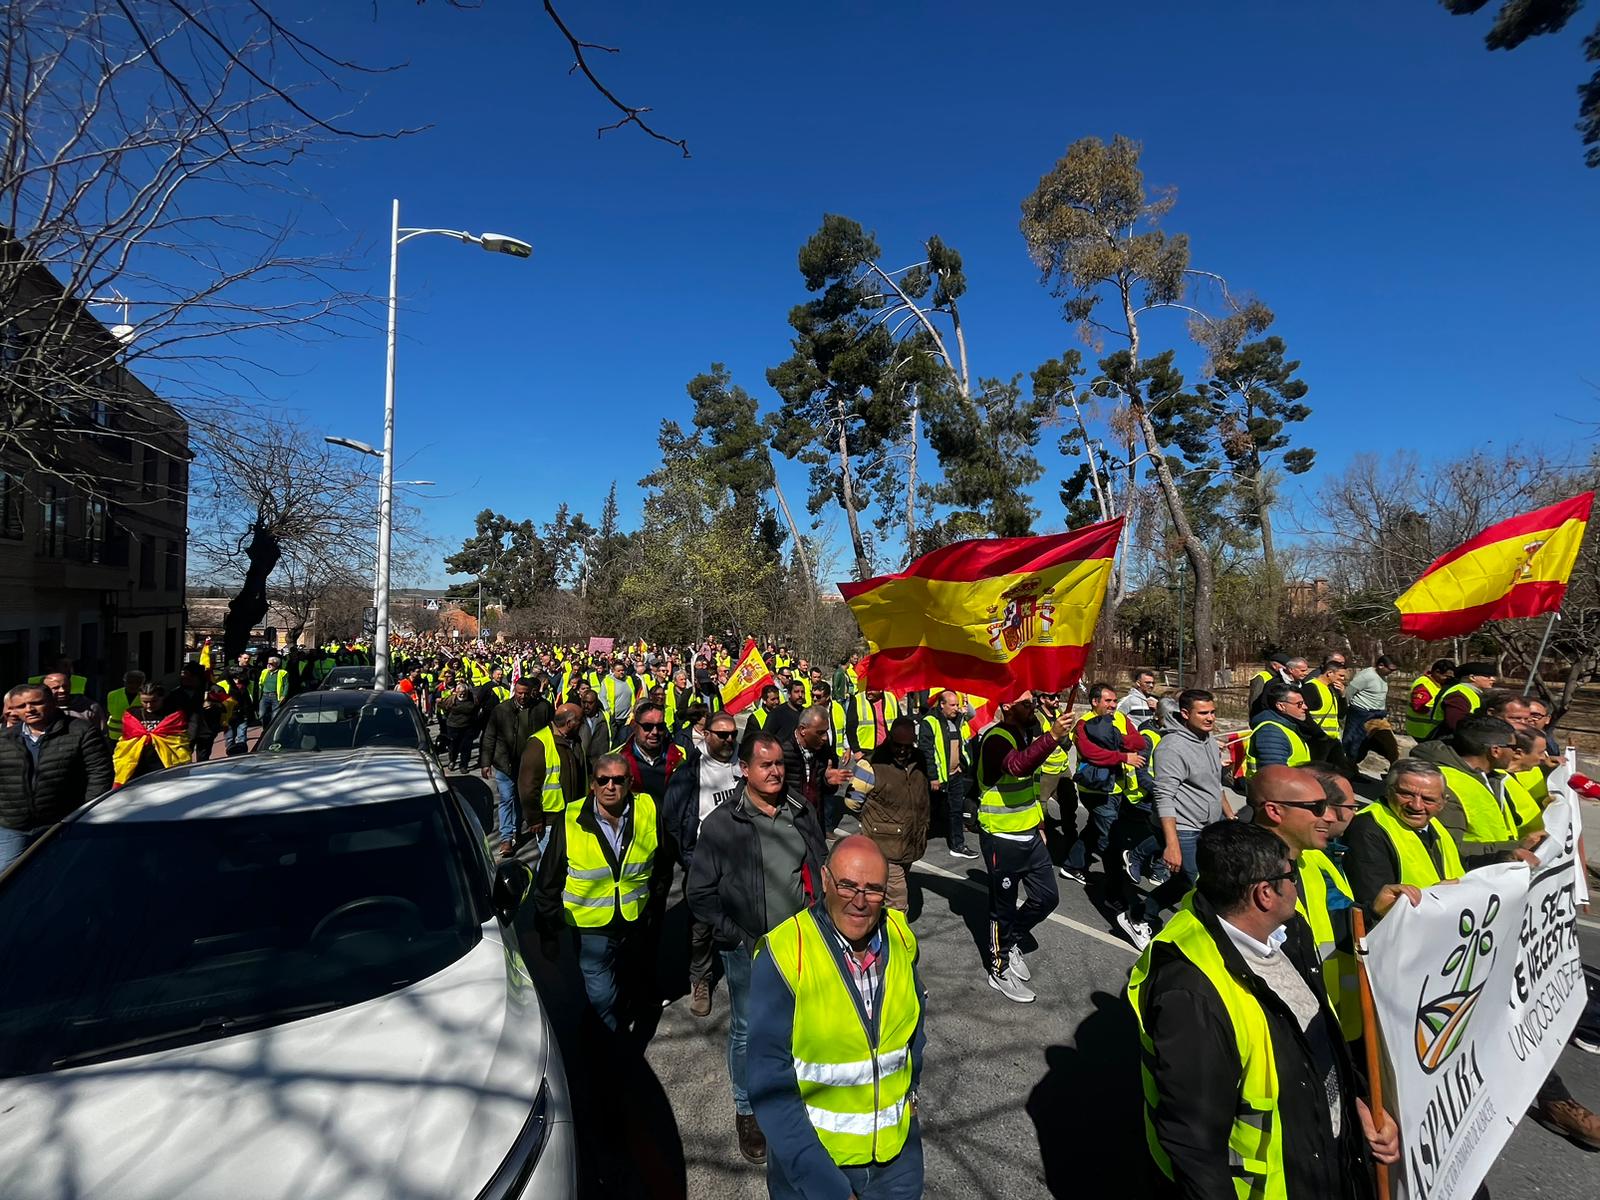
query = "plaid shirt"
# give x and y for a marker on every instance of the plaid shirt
(866, 971)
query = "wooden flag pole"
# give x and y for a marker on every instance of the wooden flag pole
(1369, 1031)
(1533, 668)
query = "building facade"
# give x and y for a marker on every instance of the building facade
(94, 496)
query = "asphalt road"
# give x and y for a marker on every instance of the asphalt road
(1033, 1100)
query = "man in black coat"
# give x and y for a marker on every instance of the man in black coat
(757, 862)
(1244, 939)
(505, 735)
(50, 764)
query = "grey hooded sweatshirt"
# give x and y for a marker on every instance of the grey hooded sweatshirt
(1187, 776)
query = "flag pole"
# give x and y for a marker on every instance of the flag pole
(1533, 669)
(1369, 1037)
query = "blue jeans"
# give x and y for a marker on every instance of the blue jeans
(955, 799)
(901, 1178)
(1102, 816)
(598, 957)
(14, 841)
(236, 737)
(736, 971)
(509, 815)
(266, 709)
(1175, 888)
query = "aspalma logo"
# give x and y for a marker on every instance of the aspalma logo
(1442, 1021)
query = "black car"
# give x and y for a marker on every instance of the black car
(353, 678)
(341, 720)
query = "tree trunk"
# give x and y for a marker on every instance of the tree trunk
(1194, 550)
(847, 497)
(1269, 565)
(911, 483)
(794, 532)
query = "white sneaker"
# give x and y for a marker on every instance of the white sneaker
(963, 854)
(1012, 988)
(1018, 966)
(1138, 932)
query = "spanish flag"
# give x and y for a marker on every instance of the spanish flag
(169, 737)
(746, 680)
(994, 616)
(1518, 568)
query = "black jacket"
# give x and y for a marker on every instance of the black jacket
(682, 805)
(508, 730)
(725, 886)
(812, 784)
(550, 915)
(1197, 1070)
(74, 767)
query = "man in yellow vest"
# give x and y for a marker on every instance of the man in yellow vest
(1292, 803)
(120, 700)
(552, 773)
(1109, 751)
(601, 876)
(1462, 698)
(943, 749)
(1011, 837)
(1489, 823)
(1281, 733)
(1425, 689)
(1273, 671)
(1324, 696)
(874, 711)
(1399, 840)
(837, 1038)
(272, 688)
(1249, 1087)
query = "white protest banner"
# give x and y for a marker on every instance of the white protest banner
(1476, 991)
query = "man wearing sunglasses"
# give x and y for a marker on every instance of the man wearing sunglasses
(1248, 1084)
(704, 781)
(604, 876)
(650, 757)
(836, 1040)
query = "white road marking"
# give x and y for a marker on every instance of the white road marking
(1588, 922)
(1099, 935)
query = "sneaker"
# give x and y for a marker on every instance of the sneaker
(752, 1142)
(1012, 988)
(962, 852)
(700, 998)
(1130, 864)
(1076, 876)
(1137, 931)
(1587, 1040)
(1018, 965)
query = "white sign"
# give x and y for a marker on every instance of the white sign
(1476, 991)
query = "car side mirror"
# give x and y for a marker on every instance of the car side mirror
(512, 883)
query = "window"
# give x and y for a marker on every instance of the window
(147, 567)
(238, 923)
(177, 485)
(94, 531)
(10, 505)
(174, 568)
(169, 657)
(53, 529)
(147, 653)
(147, 487)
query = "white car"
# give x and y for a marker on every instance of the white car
(274, 977)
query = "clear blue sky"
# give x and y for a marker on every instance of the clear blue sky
(1413, 207)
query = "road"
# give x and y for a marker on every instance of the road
(1017, 1101)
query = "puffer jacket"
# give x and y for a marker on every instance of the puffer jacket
(74, 767)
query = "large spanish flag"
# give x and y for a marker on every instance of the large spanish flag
(746, 680)
(1518, 568)
(994, 616)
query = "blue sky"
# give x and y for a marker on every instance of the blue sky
(1413, 207)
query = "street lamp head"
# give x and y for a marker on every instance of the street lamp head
(352, 444)
(501, 244)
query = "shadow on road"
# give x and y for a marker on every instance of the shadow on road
(1086, 1110)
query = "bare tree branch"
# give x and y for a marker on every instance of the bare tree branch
(631, 115)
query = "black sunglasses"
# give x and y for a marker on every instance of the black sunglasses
(1276, 879)
(652, 726)
(1319, 807)
(610, 780)
(722, 733)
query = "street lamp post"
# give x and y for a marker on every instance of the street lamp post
(363, 448)
(497, 243)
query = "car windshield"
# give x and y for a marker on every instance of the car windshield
(339, 722)
(120, 938)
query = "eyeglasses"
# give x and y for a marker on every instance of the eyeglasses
(610, 780)
(1277, 879)
(652, 726)
(848, 889)
(1320, 807)
(721, 733)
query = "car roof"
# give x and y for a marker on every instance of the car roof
(253, 785)
(350, 698)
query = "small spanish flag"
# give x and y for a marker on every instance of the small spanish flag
(1518, 568)
(746, 680)
(994, 616)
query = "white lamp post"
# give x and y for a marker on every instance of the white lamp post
(363, 448)
(497, 243)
